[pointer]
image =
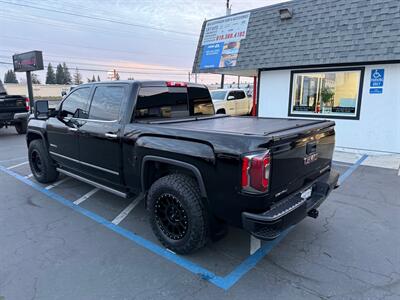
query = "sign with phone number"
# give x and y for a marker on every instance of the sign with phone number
(228, 29)
(221, 41)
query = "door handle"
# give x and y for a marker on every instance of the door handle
(111, 135)
(72, 129)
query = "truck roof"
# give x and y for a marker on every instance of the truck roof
(227, 90)
(147, 83)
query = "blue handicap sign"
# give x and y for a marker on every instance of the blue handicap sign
(376, 90)
(211, 56)
(377, 76)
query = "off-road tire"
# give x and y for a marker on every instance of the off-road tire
(21, 127)
(186, 190)
(47, 171)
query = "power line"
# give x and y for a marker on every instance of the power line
(99, 18)
(64, 25)
(111, 65)
(122, 72)
(86, 47)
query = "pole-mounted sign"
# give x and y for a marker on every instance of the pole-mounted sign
(28, 62)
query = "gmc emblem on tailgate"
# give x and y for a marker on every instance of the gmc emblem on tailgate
(310, 158)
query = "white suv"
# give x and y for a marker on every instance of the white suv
(231, 102)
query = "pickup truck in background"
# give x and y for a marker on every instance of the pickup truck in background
(14, 111)
(233, 102)
(197, 171)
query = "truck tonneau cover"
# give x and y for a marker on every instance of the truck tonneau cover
(248, 125)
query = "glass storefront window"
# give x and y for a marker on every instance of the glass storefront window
(326, 93)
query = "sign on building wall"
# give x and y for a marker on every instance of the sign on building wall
(221, 41)
(377, 79)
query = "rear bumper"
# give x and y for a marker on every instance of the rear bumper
(13, 118)
(290, 210)
(21, 116)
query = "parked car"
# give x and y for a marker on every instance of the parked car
(14, 111)
(233, 102)
(197, 171)
(65, 92)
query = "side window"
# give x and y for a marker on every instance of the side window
(240, 95)
(230, 95)
(106, 102)
(76, 104)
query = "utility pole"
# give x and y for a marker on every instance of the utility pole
(228, 12)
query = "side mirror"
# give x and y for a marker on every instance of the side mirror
(231, 97)
(41, 109)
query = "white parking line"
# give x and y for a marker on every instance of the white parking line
(15, 166)
(29, 176)
(49, 187)
(118, 219)
(86, 196)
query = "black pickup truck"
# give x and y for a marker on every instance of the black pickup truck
(14, 111)
(197, 171)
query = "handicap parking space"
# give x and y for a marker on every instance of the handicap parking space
(100, 245)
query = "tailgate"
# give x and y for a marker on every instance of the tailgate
(12, 104)
(299, 159)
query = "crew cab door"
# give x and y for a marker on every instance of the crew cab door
(100, 133)
(62, 131)
(231, 103)
(242, 103)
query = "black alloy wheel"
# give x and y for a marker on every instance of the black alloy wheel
(37, 163)
(171, 217)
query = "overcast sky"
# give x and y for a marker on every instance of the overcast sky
(134, 36)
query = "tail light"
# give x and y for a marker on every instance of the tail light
(27, 104)
(176, 84)
(255, 172)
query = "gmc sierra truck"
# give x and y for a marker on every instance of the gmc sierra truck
(14, 111)
(197, 171)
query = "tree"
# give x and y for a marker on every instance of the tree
(50, 76)
(117, 76)
(77, 77)
(98, 78)
(131, 78)
(35, 79)
(67, 74)
(327, 95)
(10, 77)
(93, 78)
(59, 74)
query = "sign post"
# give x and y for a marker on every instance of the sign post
(30, 89)
(28, 62)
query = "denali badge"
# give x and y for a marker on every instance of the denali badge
(310, 158)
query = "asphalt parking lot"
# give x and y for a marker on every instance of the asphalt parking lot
(102, 247)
